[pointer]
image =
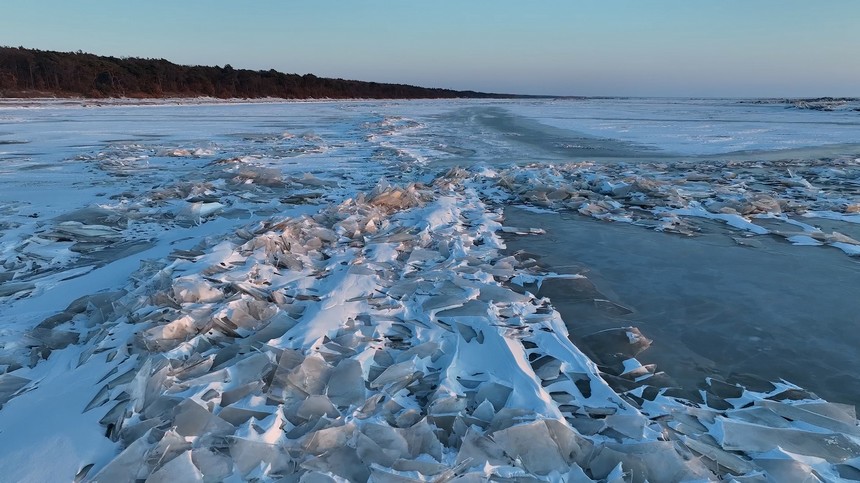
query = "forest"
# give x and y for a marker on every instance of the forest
(40, 73)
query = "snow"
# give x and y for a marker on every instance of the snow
(697, 126)
(193, 293)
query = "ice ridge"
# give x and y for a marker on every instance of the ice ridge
(385, 339)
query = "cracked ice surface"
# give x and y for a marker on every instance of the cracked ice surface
(382, 334)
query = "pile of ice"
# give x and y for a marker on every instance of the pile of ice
(36, 253)
(784, 198)
(815, 103)
(385, 339)
(65, 247)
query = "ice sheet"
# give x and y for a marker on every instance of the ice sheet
(314, 291)
(700, 126)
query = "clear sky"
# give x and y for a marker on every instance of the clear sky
(566, 47)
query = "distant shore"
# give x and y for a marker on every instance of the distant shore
(161, 101)
(35, 73)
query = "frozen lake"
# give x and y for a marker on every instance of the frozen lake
(712, 307)
(138, 239)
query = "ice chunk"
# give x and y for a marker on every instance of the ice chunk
(467, 332)
(12, 288)
(547, 367)
(371, 452)
(192, 290)
(797, 414)
(571, 445)
(315, 407)
(10, 384)
(656, 461)
(78, 229)
(199, 210)
(215, 465)
(180, 468)
(394, 199)
(730, 461)
(759, 415)
(319, 477)
(476, 449)
(329, 439)
(129, 466)
(249, 455)
(484, 411)
(789, 469)
(501, 295)
(346, 385)
(426, 468)
(394, 373)
(421, 439)
(193, 419)
(531, 445)
(308, 179)
(833, 447)
(342, 461)
(617, 344)
(630, 425)
(796, 181)
(804, 240)
(387, 438)
(845, 413)
(497, 394)
(577, 475)
(237, 414)
(615, 189)
(421, 255)
(312, 375)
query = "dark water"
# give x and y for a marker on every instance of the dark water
(711, 307)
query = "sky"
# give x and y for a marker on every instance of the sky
(675, 48)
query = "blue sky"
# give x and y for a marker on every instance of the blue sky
(623, 47)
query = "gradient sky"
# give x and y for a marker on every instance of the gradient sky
(626, 47)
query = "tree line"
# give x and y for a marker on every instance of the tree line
(38, 73)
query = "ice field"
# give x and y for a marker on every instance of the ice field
(528, 290)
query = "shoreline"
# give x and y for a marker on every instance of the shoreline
(36, 102)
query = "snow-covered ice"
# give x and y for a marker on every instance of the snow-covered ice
(322, 292)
